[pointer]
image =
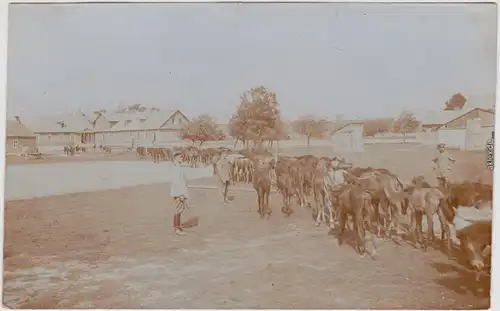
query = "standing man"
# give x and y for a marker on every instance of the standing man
(178, 192)
(223, 168)
(442, 165)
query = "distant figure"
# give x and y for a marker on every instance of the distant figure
(178, 192)
(442, 166)
(223, 168)
(25, 152)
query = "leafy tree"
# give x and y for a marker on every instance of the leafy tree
(456, 102)
(256, 117)
(310, 126)
(202, 129)
(406, 123)
(279, 132)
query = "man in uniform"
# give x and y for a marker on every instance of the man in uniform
(223, 168)
(178, 192)
(442, 165)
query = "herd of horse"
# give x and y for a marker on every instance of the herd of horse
(71, 150)
(374, 201)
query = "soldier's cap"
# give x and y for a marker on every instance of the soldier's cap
(441, 145)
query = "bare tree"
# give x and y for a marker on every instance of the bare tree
(406, 123)
(375, 126)
(310, 126)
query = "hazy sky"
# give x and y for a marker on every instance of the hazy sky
(365, 60)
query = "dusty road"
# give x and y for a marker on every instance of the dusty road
(115, 248)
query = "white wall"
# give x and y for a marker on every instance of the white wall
(428, 138)
(478, 137)
(391, 138)
(453, 138)
(348, 139)
(60, 139)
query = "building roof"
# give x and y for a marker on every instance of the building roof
(437, 117)
(142, 121)
(467, 112)
(17, 129)
(64, 123)
(440, 117)
(335, 126)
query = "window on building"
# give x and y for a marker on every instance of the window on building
(15, 144)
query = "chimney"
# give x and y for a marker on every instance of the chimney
(18, 119)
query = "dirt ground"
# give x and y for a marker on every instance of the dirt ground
(115, 249)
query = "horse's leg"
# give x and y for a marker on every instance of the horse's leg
(420, 236)
(284, 199)
(317, 208)
(269, 211)
(446, 229)
(301, 196)
(329, 204)
(430, 225)
(384, 208)
(342, 223)
(259, 201)
(289, 204)
(396, 217)
(413, 225)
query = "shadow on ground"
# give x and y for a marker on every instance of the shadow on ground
(461, 280)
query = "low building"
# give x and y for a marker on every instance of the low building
(143, 128)
(62, 130)
(347, 136)
(18, 136)
(469, 130)
(99, 128)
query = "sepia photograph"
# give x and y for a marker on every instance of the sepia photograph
(249, 155)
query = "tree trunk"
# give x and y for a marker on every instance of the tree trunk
(308, 141)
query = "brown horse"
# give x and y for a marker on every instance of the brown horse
(357, 202)
(262, 183)
(287, 188)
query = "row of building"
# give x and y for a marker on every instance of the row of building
(466, 129)
(95, 128)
